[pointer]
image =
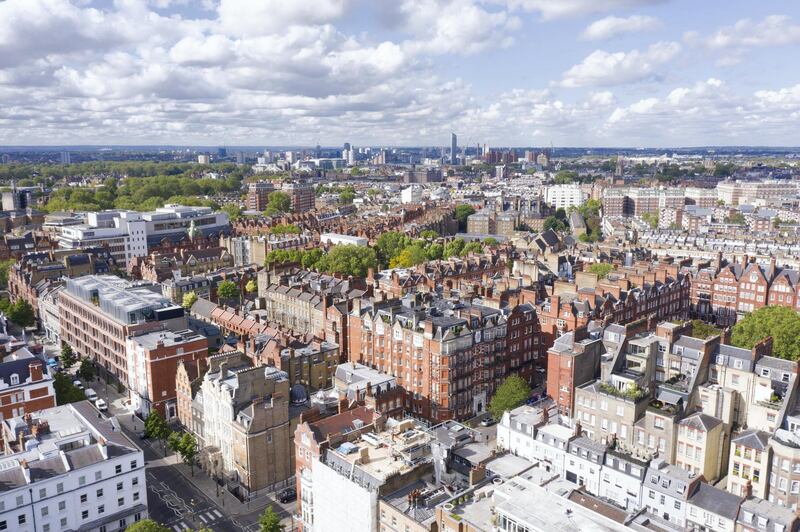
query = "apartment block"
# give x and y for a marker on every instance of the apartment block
(100, 312)
(153, 359)
(66, 468)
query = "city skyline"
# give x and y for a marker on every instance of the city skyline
(503, 72)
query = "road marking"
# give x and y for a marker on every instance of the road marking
(203, 519)
(218, 514)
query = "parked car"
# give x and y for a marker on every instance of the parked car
(78, 384)
(488, 421)
(287, 495)
(90, 394)
(101, 405)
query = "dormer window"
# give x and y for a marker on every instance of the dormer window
(14, 378)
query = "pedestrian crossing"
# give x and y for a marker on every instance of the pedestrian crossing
(206, 517)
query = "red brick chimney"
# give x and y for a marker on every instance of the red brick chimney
(35, 369)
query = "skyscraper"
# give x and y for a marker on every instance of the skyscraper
(65, 157)
(241, 158)
(453, 148)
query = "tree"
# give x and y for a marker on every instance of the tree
(251, 286)
(601, 269)
(435, 251)
(66, 392)
(703, 330)
(651, 219)
(410, 256)
(278, 202)
(513, 392)
(736, 218)
(21, 313)
(86, 370)
(147, 525)
(68, 357)
(565, 177)
(461, 213)
(269, 521)
(233, 211)
(389, 245)
(551, 222)
(188, 450)
(453, 248)
(782, 323)
(174, 442)
(283, 229)
(350, 260)
(471, 247)
(156, 427)
(311, 259)
(227, 290)
(429, 234)
(5, 266)
(346, 197)
(189, 299)
(491, 241)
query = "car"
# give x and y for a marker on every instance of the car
(78, 384)
(101, 405)
(287, 495)
(90, 394)
(488, 421)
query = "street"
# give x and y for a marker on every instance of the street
(175, 498)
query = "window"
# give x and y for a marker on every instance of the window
(84, 498)
(100, 493)
(46, 527)
(677, 505)
(101, 509)
(62, 506)
(85, 514)
(60, 488)
(63, 522)
(21, 519)
(42, 493)
(136, 496)
(133, 464)
(135, 481)
(119, 486)
(81, 480)
(121, 501)
(45, 510)
(98, 475)
(3, 525)
(118, 469)
(20, 500)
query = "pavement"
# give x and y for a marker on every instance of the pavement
(178, 497)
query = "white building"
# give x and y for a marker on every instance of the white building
(70, 470)
(204, 159)
(336, 239)
(48, 312)
(550, 446)
(129, 234)
(412, 194)
(621, 479)
(565, 196)
(516, 432)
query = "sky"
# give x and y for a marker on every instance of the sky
(595, 73)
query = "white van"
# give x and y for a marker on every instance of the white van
(90, 394)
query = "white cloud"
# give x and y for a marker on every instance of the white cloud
(774, 30)
(258, 17)
(611, 26)
(454, 26)
(553, 9)
(601, 68)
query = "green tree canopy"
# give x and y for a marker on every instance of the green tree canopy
(269, 521)
(551, 222)
(461, 213)
(278, 202)
(454, 248)
(251, 286)
(346, 197)
(21, 313)
(410, 256)
(471, 247)
(512, 393)
(601, 269)
(156, 427)
(782, 323)
(227, 290)
(68, 357)
(188, 450)
(491, 241)
(350, 260)
(147, 525)
(282, 229)
(736, 218)
(86, 370)
(66, 392)
(390, 244)
(565, 177)
(233, 211)
(429, 234)
(5, 266)
(189, 299)
(703, 330)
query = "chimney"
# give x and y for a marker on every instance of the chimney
(35, 369)
(745, 260)
(748, 489)
(578, 428)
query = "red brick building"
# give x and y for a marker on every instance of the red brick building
(153, 359)
(25, 386)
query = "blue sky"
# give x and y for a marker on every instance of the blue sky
(400, 72)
